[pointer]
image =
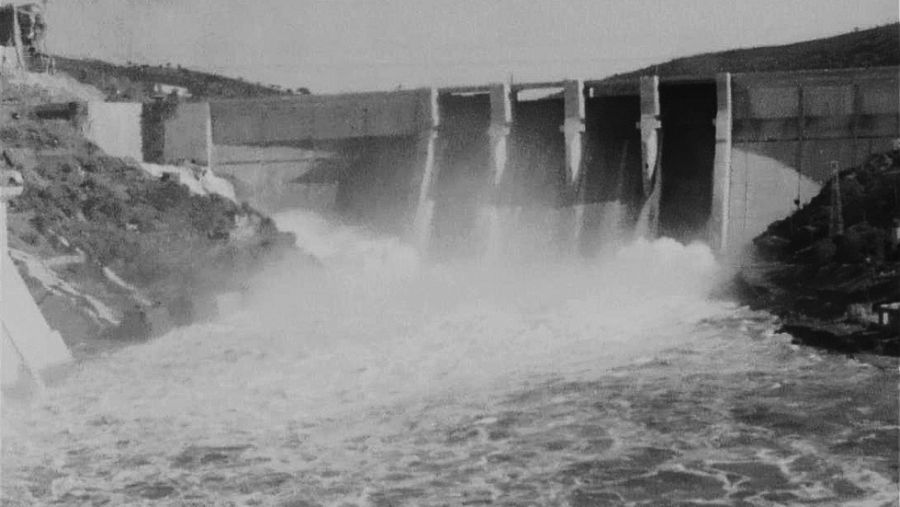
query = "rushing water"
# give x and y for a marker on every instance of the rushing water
(377, 380)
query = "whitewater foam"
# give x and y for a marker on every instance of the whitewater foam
(376, 325)
(372, 377)
(401, 325)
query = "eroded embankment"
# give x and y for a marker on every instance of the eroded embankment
(824, 280)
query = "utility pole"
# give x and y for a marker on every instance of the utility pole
(836, 225)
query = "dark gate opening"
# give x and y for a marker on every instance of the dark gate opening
(612, 165)
(536, 169)
(463, 164)
(374, 187)
(688, 151)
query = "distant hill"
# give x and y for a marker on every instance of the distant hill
(874, 47)
(135, 82)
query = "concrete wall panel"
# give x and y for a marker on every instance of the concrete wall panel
(272, 122)
(115, 127)
(236, 121)
(772, 129)
(828, 100)
(824, 77)
(188, 134)
(325, 117)
(777, 102)
(339, 121)
(879, 97)
(829, 127)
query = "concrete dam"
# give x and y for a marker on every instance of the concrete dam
(576, 163)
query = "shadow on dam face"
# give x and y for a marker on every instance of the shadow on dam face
(375, 187)
(688, 153)
(378, 184)
(536, 168)
(464, 174)
(533, 178)
(612, 168)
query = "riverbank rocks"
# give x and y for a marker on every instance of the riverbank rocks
(821, 276)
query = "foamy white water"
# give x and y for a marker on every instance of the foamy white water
(375, 378)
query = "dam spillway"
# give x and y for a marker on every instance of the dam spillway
(714, 158)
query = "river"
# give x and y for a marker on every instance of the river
(377, 379)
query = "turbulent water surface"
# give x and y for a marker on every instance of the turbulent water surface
(373, 380)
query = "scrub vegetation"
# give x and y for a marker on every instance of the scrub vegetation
(826, 279)
(147, 248)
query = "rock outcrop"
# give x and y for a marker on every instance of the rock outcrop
(831, 270)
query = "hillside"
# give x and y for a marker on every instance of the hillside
(874, 47)
(136, 82)
(113, 250)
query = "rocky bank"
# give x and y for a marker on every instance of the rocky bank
(828, 281)
(114, 252)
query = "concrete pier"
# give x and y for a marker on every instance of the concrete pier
(649, 126)
(573, 129)
(572, 215)
(718, 220)
(493, 215)
(426, 156)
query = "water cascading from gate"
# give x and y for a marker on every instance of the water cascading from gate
(547, 176)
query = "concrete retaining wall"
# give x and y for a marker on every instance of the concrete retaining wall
(115, 127)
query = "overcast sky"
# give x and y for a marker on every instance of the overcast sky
(341, 45)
